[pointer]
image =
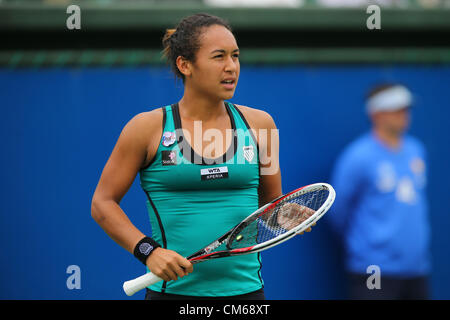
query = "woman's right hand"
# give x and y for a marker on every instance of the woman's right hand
(168, 265)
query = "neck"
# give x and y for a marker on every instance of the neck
(201, 108)
(391, 139)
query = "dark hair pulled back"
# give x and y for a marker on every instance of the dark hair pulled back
(184, 40)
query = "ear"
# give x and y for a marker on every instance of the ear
(184, 65)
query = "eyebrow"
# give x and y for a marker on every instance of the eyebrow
(223, 51)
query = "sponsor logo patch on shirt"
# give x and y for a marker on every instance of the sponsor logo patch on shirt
(248, 153)
(168, 138)
(214, 173)
(169, 158)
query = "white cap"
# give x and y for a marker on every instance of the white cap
(392, 99)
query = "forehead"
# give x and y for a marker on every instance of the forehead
(392, 114)
(217, 37)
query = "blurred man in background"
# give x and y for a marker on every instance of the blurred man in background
(380, 212)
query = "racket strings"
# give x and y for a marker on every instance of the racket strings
(279, 219)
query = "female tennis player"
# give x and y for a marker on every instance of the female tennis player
(204, 164)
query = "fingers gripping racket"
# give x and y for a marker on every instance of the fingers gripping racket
(270, 225)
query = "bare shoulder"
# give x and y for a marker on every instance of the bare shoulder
(257, 118)
(143, 128)
(145, 124)
(147, 120)
(143, 132)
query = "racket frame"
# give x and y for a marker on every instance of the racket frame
(279, 239)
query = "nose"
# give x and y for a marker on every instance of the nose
(230, 65)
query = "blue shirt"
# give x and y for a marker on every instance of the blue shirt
(380, 209)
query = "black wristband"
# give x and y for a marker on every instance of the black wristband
(144, 249)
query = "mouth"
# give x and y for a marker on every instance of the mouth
(229, 83)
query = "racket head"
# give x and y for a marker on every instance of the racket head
(259, 231)
(281, 219)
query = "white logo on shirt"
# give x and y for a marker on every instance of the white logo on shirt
(405, 191)
(387, 181)
(248, 153)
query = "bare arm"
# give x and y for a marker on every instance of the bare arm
(270, 174)
(128, 156)
(266, 133)
(270, 187)
(118, 174)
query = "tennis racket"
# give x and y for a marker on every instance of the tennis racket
(270, 225)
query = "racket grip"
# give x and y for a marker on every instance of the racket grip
(132, 286)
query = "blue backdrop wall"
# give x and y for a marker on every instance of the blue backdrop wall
(59, 126)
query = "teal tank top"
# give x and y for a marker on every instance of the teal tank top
(192, 200)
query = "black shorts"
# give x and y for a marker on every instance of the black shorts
(154, 295)
(391, 288)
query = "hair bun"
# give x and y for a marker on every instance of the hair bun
(169, 33)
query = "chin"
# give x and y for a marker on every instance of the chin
(228, 96)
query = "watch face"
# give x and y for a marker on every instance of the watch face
(145, 248)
